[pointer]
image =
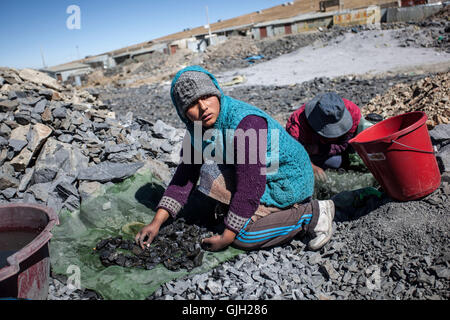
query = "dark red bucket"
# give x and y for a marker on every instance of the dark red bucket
(399, 153)
(24, 255)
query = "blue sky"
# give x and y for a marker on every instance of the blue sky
(27, 26)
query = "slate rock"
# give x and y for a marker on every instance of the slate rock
(57, 156)
(3, 141)
(28, 197)
(17, 145)
(38, 135)
(399, 288)
(47, 115)
(88, 189)
(424, 278)
(22, 118)
(20, 133)
(9, 192)
(167, 147)
(30, 101)
(5, 131)
(46, 92)
(109, 171)
(44, 174)
(25, 180)
(163, 130)
(8, 105)
(440, 133)
(54, 203)
(117, 148)
(40, 106)
(21, 161)
(441, 272)
(72, 203)
(65, 189)
(39, 78)
(40, 191)
(329, 271)
(100, 126)
(12, 95)
(443, 158)
(315, 258)
(66, 138)
(59, 113)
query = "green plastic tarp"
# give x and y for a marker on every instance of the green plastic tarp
(338, 182)
(105, 215)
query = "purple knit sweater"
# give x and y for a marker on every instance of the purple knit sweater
(250, 183)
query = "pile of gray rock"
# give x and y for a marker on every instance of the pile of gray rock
(59, 144)
(440, 137)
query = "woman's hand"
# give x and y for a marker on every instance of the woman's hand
(319, 173)
(151, 230)
(219, 242)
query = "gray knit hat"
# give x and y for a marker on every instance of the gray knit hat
(191, 86)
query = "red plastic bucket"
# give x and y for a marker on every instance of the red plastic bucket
(399, 153)
(24, 255)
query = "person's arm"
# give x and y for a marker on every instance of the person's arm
(151, 230)
(180, 187)
(174, 198)
(296, 126)
(339, 148)
(249, 187)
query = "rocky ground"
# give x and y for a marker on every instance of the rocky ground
(60, 144)
(153, 101)
(398, 251)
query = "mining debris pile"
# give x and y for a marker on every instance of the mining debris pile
(59, 144)
(278, 101)
(430, 95)
(176, 246)
(230, 54)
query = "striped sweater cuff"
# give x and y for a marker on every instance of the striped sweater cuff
(234, 222)
(171, 205)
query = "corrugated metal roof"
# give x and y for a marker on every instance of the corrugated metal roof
(302, 17)
(245, 26)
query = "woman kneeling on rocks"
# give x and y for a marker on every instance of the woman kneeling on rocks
(260, 175)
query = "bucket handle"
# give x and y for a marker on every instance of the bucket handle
(404, 145)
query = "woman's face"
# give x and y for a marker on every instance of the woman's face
(206, 110)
